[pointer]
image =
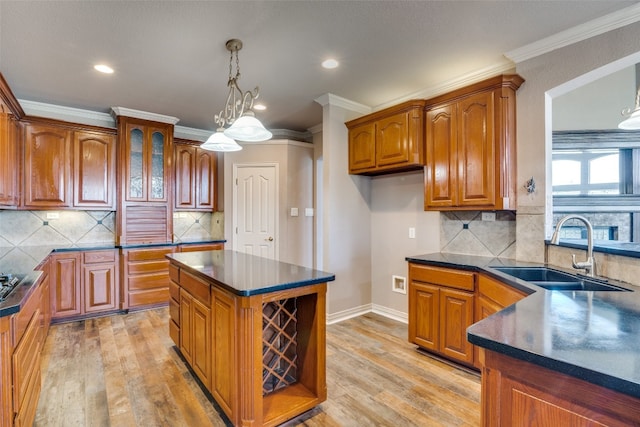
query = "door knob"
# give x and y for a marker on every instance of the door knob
(270, 239)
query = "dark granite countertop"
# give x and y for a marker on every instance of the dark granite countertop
(19, 295)
(594, 336)
(247, 275)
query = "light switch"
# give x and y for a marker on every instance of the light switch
(294, 211)
(412, 233)
(308, 211)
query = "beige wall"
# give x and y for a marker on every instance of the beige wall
(295, 160)
(543, 74)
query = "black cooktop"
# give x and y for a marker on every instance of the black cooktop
(8, 282)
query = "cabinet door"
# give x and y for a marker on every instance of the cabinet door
(441, 171)
(456, 315)
(201, 341)
(9, 160)
(362, 148)
(476, 151)
(159, 170)
(65, 286)
(222, 351)
(94, 170)
(47, 167)
(424, 315)
(392, 140)
(185, 157)
(206, 194)
(99, 287)
(186, 327)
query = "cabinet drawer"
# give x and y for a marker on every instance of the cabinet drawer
(93, 257)
(149, 281)
(174, 274)
(499, 292)
(442, 276)
(148, 254)
(202, 247)
(148, 297)
(174, 333)
(196, 287)
(148, 267)
(26, 361)
(174, 312)
(174, 291)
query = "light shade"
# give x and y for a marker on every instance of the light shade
(632, 123)
(220, 142)
(248, 128)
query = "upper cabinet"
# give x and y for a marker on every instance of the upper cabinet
(68, 168)
(195, 182)
(145, 213)
(387, 141)
(9, 160)
(94, 170)
(471, 147)
(47, 167)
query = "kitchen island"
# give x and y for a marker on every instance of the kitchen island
(253, 331)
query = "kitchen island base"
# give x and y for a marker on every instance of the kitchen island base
(261, 356)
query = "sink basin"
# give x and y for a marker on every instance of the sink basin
(555, 280)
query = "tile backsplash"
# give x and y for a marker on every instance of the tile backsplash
(465, 232)
(27, 237)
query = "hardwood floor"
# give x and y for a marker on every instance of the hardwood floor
(124, 371)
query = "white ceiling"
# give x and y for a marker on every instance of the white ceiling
(170, 56)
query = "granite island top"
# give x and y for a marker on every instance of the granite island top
(593, 336)
(247, 275)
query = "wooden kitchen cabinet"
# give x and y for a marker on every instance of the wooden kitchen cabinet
(6, 358)
(518, 393)
(471, 147)
(145, 277)
(195, 177)
(10, 162)
(83, 283)
(145, 208)
(194, 247)
(441, 307)
(390, 140)
(47, 166)
(94, 170)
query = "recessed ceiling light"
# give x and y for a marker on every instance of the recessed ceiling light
(259, 107)
(330, 63)
(103, 68)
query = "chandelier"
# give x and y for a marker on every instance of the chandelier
(633, 121)
(237, 113)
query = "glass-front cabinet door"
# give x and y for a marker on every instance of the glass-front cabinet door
(146, 164)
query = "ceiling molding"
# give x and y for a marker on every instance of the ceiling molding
(337, 101)
(595, 27)
(68, 114)
(451, 85)
(316, 129)
(278, 141)
(144, 115)
(193, 134)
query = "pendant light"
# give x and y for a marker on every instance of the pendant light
(633, 121)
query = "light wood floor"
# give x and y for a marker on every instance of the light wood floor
(124, 371)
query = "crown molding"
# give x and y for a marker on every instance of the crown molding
(144, 115)
(291, 134)
(68, 114)
(193, 134)
(278, 141)
(337, 101)
(316, 129)
(452, 84)
(595, 27)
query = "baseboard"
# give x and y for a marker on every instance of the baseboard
(390, 313)
(348, 314)
(367, 308)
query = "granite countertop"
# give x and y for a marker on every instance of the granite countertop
(19, 295)
(246, 275)
(594, 336)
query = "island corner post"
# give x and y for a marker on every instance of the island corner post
(259, 345)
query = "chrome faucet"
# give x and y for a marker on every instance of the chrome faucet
(590, 264)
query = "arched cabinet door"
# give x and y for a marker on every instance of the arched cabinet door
(94, 170)
(195, 177)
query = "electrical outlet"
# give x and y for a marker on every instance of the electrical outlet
(53, 215)
(294, 211)
(412, 232)
(488, 216)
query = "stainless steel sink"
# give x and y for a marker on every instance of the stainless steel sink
(555, 280)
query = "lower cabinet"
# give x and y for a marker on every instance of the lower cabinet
(441, 308)
(6, 358)
(518, 393)
(83, 283)
(145, 277)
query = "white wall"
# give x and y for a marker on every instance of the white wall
(544, 74)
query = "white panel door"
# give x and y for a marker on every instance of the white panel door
(256, 209)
